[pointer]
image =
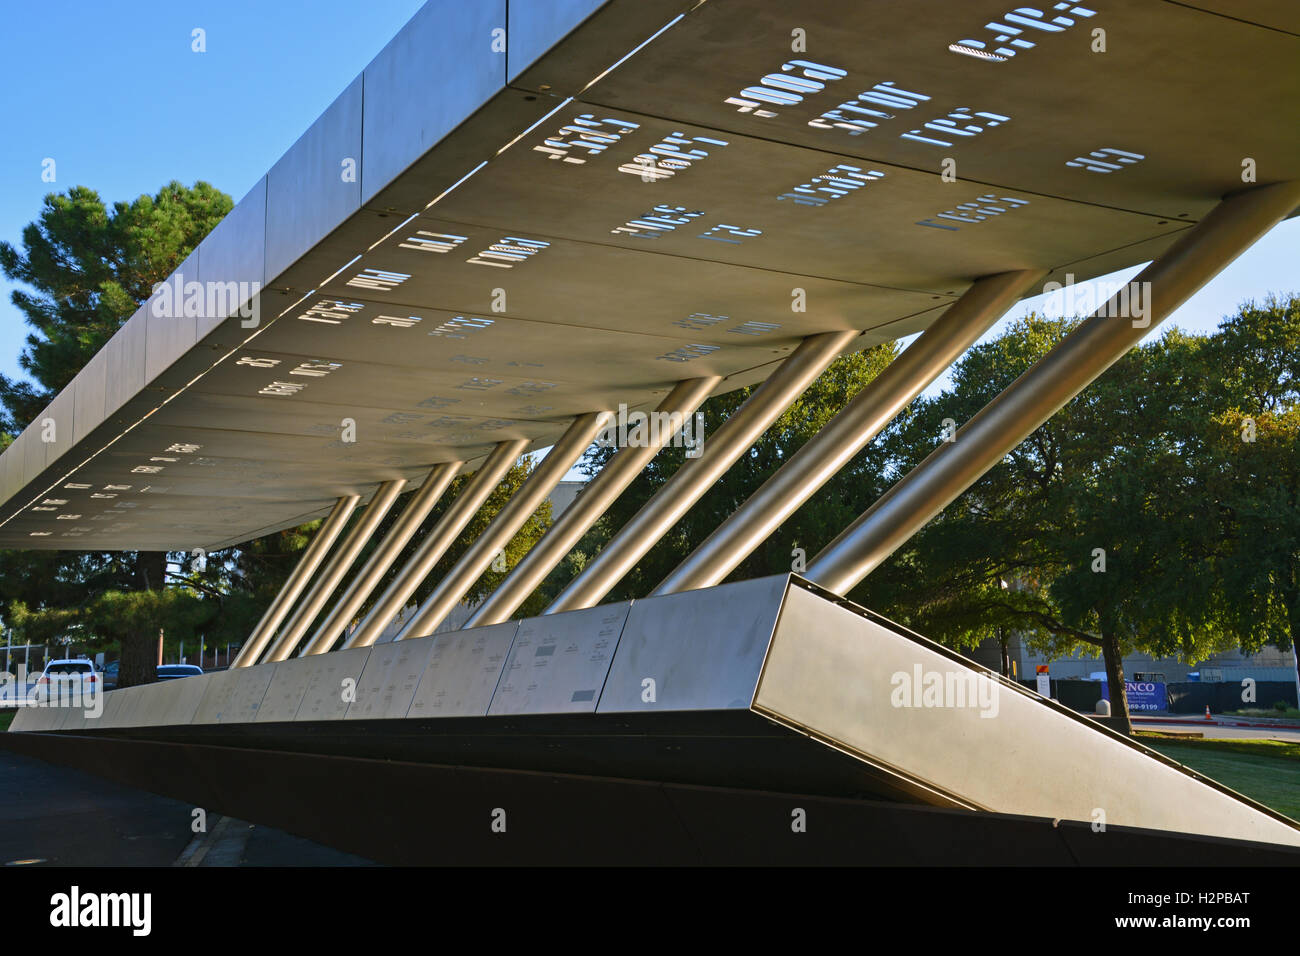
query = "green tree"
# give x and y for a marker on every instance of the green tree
(1252, 467)
(831, 508)
(1113, 527)
(89, 269)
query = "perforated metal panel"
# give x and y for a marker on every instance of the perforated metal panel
(463, 671)
(246, 698)
(567, 255)
(558, 663)
(388, 682)
(216, 697)
(699, 650)
(330, 684)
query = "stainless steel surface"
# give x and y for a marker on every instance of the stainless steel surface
(852, 684)
(773, 185)
(512, 516)
(535, 25)
(331, 684)
(696, 475)
(307, 195)
(436, 543)
(285, 692)
(328, 579)
(698, 651)
(311, 558)
(247, 693)
(433, 74)
(1004, 423)
(463, 672)
(388, 683)
(364, 581)
(558, 663)
(593, 501)
(861, 420)
(216, 696)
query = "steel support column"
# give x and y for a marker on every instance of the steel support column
(593, 501)
(1204, 250)
(338, 565)
(363, 585)
(861, 420)
(566, 452)
(306, 567)
(436, 543)
(696, 475)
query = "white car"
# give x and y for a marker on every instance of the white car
(60, 679)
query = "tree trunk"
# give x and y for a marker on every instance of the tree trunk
(139, 660)
(1006, 655)
(1292, 598)
(1115, 682)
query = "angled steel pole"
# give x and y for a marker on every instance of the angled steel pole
(861, 420)
(565, 453)
(408, 522)
(437, 541)
(1066, 370)
(306, 567)
(591, 503)
(338, 565)
(696, 475)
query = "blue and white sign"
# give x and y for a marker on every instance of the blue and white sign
(1142, 695)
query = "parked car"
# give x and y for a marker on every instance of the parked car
(110, 675)
(62, 675)
(173, 671)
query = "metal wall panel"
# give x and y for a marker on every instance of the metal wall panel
(463, 671)
(61, 411)
(11, 477)
(88, 396)
(247, 696)
(30, 720)
(185, 705)
(537, 25)
(388, 683)
(216, 697)
(285, 692)
(866, 689)
(703, 649)
(559, 662)
(77, 719)
(426, 81)
(307, 195)
(126, 361)
(613, 31)
(169, 336)
(161, 696)
(235, 252)
(130, 701)
(34, 451)
(324, 697)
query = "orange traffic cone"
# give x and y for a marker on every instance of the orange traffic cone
(1207, 712)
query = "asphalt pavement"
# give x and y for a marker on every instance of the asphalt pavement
(56, 816)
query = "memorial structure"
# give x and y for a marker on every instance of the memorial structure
(525, 214)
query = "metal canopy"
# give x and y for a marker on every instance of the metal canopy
(565, 227)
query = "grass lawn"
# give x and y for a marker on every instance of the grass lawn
(1264, 770)
(6, 718)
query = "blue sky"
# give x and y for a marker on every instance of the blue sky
(112, 91)
(115, 95)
